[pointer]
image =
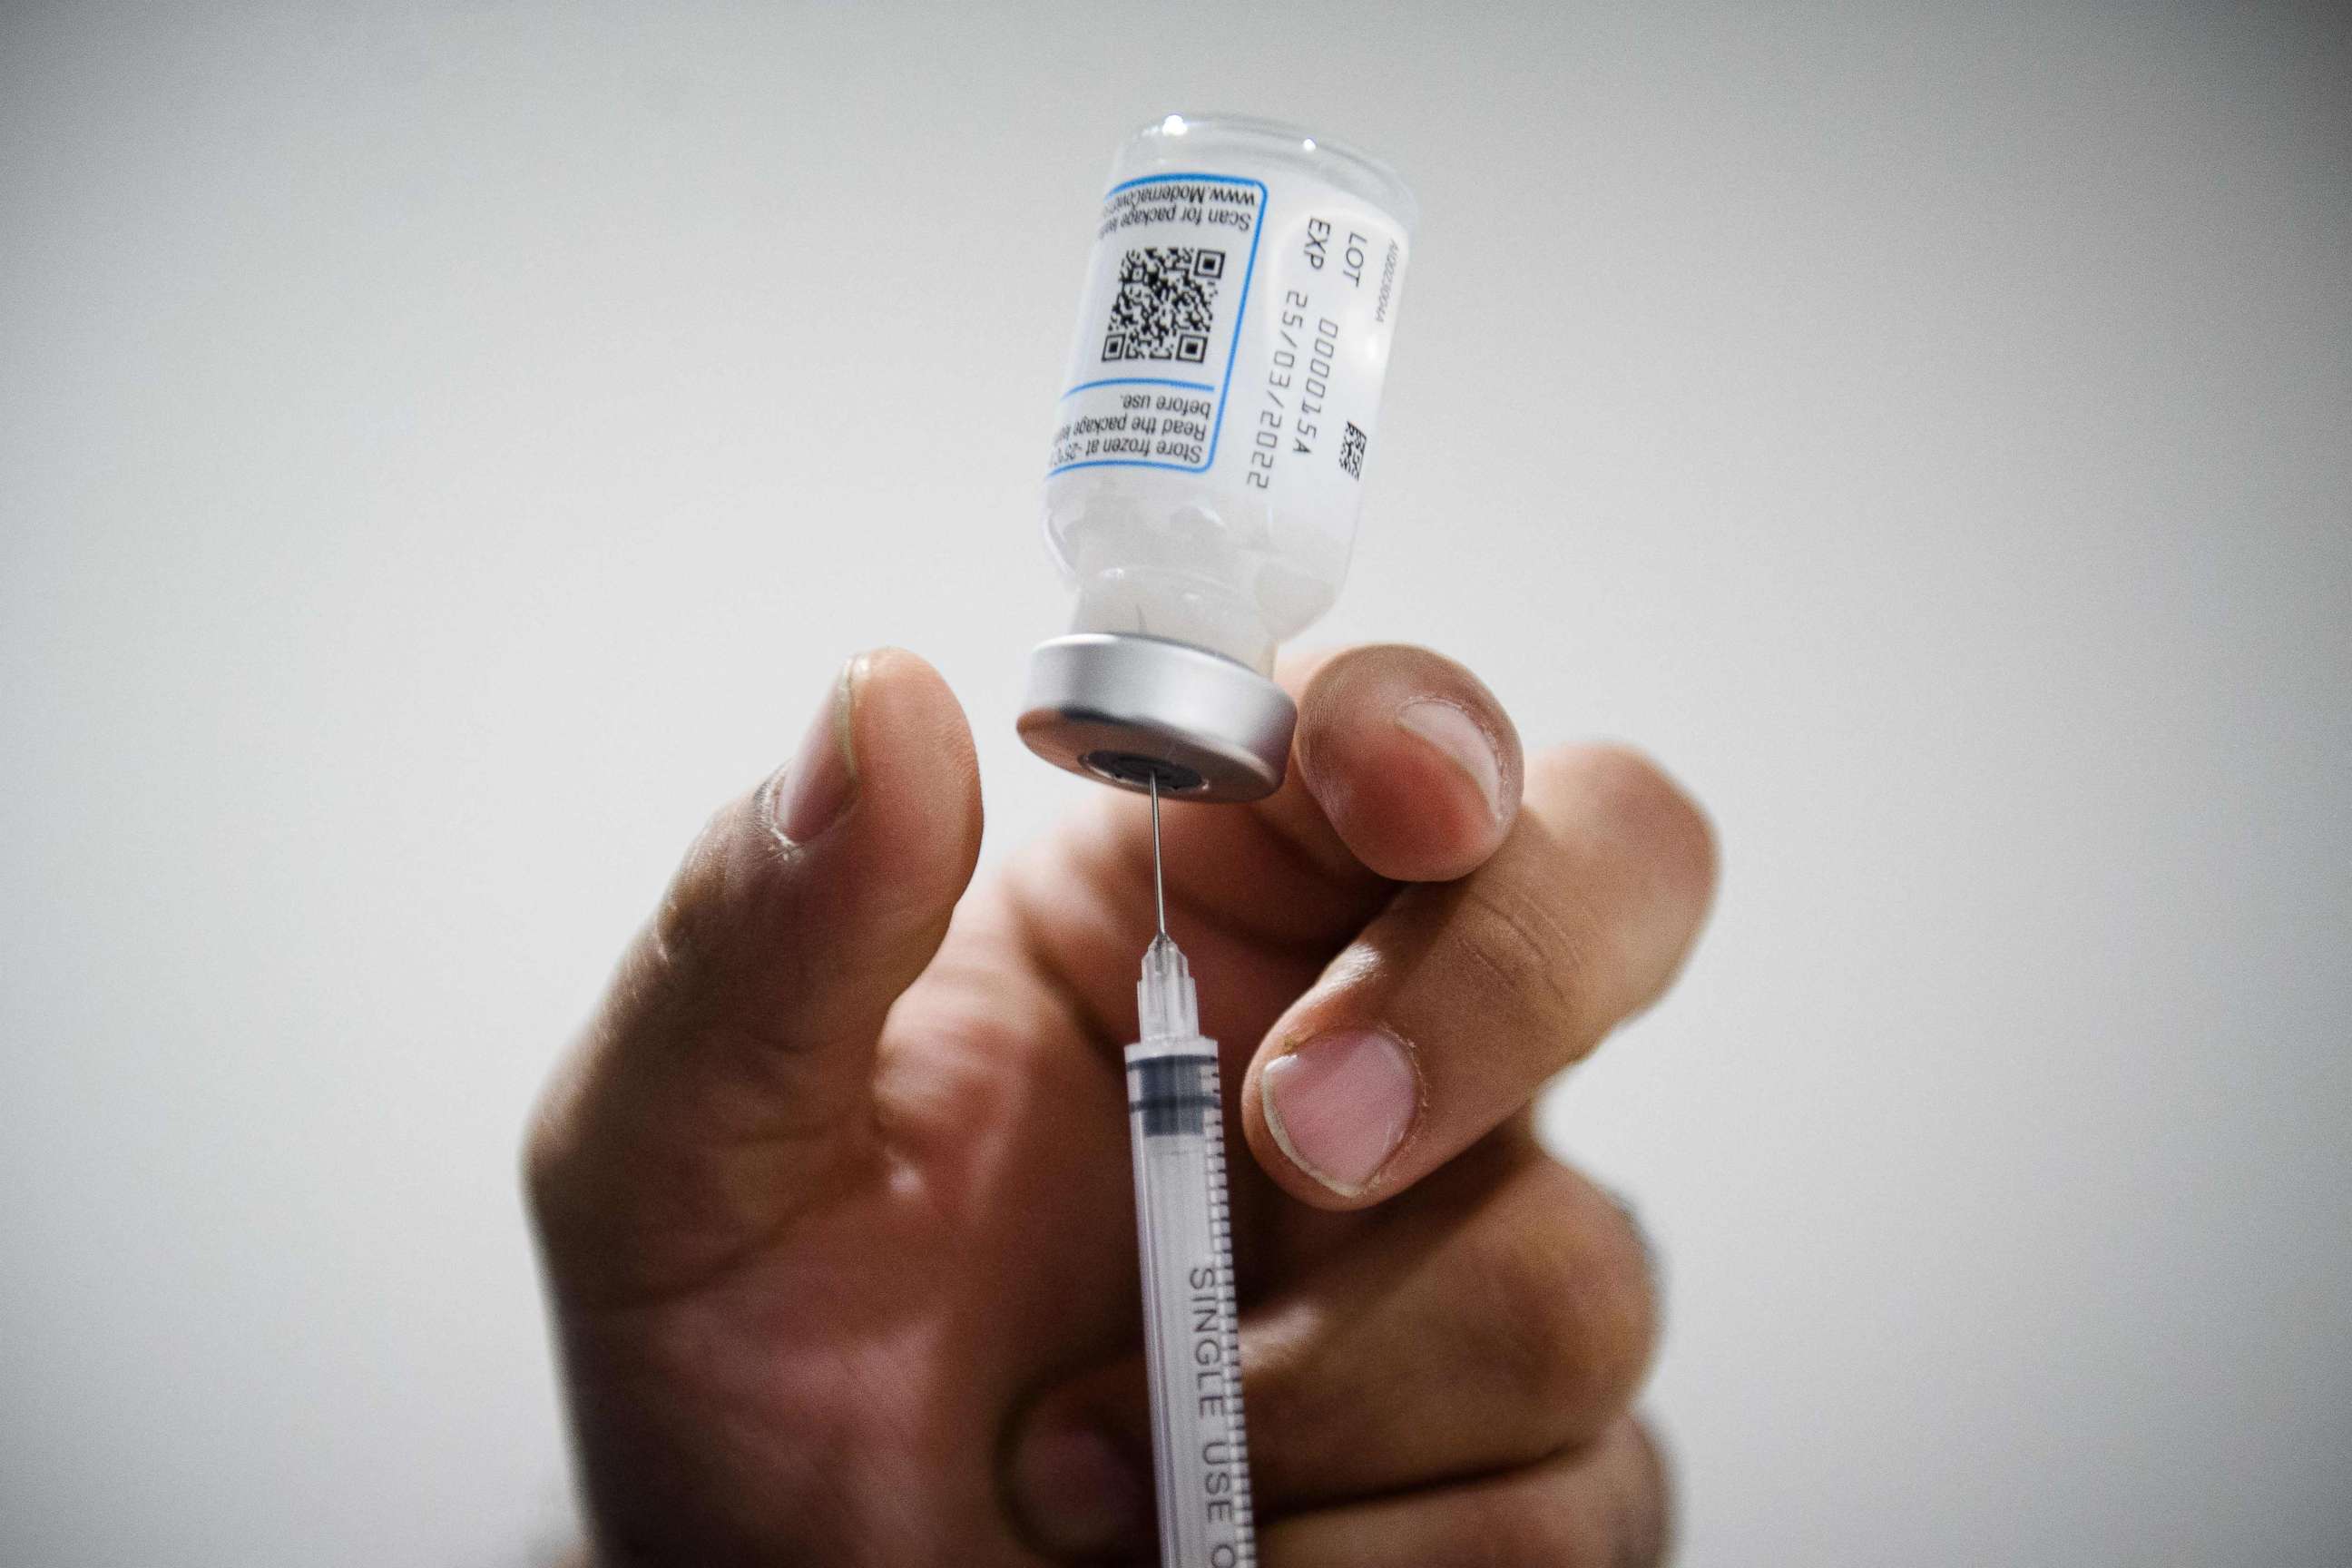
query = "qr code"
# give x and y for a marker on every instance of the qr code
(1166, 298)
(1351, 451)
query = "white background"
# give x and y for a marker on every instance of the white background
(442, 453)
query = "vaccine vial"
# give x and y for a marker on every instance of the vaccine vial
(1209, 445)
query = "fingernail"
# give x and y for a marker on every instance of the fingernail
(1076, 1491)
(816, 785)
(1450, 728)
(1342, 1104)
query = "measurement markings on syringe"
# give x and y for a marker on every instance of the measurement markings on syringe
(1171, 1098)
(1176, 1105)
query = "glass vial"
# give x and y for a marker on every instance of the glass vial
(1208, 451)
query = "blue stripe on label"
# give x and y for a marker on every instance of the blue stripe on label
(1232, 348)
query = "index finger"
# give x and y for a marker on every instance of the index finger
(1405, 768)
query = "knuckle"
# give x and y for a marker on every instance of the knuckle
(1567, 1310)
(1641, 1254)
(540, 1163)
(1643, 1529)
(1608, 1505)
(1567, 928)
(1533, 1529)
(549, 1144)
(678, 939)
(1540, 951)
(1511, 1534)
(713, 918)
(1528, 1332)
(1642, 806)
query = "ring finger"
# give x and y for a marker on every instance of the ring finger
(1496, 1313)
(1605, 1505)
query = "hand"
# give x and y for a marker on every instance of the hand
(833, 1196)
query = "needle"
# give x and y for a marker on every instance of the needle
(1159, 892)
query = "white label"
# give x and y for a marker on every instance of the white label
(1233, 328)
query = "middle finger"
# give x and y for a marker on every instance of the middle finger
(1447, 1013)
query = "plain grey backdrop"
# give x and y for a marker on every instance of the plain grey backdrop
(442, 455)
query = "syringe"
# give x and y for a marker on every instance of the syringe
(1192, 1343)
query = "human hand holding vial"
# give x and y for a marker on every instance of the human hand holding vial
(834, 1194)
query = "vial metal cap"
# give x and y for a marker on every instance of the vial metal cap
(1127, 708)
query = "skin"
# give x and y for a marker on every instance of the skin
(834, 1194)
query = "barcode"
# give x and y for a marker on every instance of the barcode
(1351, 451)
(1166, 301)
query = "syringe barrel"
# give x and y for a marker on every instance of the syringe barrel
(1191, 1341)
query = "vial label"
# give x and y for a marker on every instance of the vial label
(1236, 328)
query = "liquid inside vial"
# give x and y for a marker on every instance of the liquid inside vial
(1224, 391)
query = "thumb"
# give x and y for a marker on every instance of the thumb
(727, 1077)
